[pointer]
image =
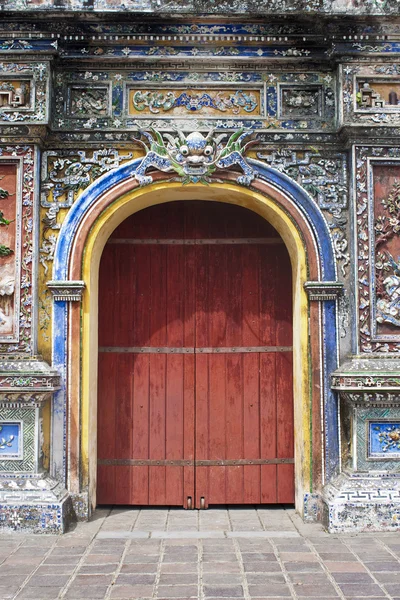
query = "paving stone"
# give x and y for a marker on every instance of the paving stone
(178, 591)
(91, 580)
(222, 578)
(262, 567)
(62, 560)
(48, 593)
(219, 591)
(345, 567)
(97, 569)
(306, 578)
(180, 568)
(141, 558)
(316, 591)
(353, 577)
(55, 570)
(178, 578)
(100, 559)
(125, 591)
(221, 567)
(8, 591)
(258, 556)
(136, 579)
(383, 566)
(76, 592)
(47, 580)
(272, 590)
(298, 556)
(303, 566)
(361, 589)
(264, 578)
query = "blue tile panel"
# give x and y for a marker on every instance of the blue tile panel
(384, 438)
(10, 440)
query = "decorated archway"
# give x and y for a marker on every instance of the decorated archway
(100, 209)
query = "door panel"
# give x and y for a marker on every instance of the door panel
(195, 361)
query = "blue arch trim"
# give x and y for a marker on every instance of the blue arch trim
(317, 224)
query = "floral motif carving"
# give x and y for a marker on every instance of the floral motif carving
(157, 101)
(374, 265)
(389, 437)
(301, 102)
(325, 179)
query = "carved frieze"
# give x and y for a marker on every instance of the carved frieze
(24, 92)
(227, 98)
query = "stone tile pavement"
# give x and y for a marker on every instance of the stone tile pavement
(223, 553)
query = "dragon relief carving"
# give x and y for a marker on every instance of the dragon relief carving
(194, 157)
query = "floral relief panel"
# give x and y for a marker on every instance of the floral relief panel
(16, 247)
(378, 242)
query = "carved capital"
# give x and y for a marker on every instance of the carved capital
(70, 291)
(323, 290)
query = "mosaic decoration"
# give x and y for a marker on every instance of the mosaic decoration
(194, 157)
(234, 102)
(324, 177)
(24, 92)
(384, 438)
(355, 7)
(378, 247)
(10, 441)
(144, 98)
(20, 456)
(371, 94)
(16, 206)
(301, 102)
(88, 101)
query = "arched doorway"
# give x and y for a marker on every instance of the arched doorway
(195, 383)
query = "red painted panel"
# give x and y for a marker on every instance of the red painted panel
(218, 406)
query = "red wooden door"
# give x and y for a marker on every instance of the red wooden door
(195, 360)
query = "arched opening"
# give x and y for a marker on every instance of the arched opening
(195, 376)
(85, 259)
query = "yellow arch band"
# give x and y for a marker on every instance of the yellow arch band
(159, 193)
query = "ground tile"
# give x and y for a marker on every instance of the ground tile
(221, 567)
(353, 577)
(316, 591)
(86, 591)
(303, 566)
(178, 591)
(344, 567)
(262, 567)
(223, 591)
(273, 589)
(8, 591)
(136, 578)
(178, 579)
(308, 578)
(48, 593)
(298, 556)
(47, 580)
(139, 568)
(264, 578)
(361, 589)
(383, 566)
(222, 578)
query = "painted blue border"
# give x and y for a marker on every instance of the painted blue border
(318, 226)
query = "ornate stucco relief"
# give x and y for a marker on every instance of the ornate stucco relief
(24, 92)
(16, 294)
(377, 220)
